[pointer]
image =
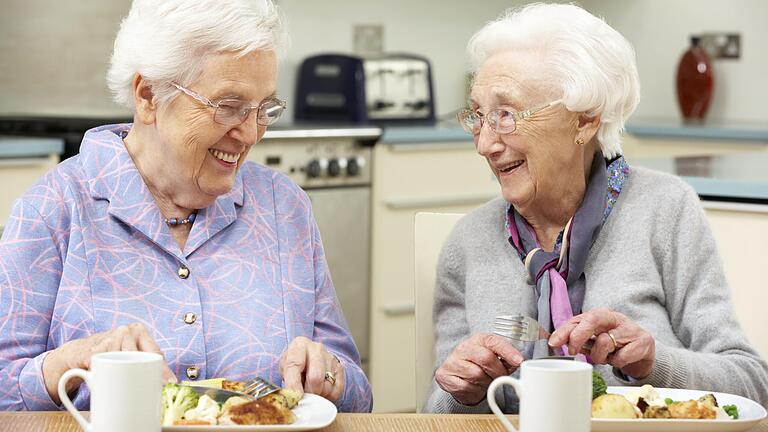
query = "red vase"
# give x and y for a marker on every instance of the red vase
(695, 83)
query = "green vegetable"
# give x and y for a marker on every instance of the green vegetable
(598, 385)
(732, 411)
(668, 401)
(177, 399)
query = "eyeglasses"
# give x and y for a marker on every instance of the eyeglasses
(232, 112)
(500, 121)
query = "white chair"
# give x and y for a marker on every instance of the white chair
(430, 232)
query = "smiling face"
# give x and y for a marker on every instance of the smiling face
(540, 161)
(196, 159)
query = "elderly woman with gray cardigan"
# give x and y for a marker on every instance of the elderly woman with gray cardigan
(579, 240)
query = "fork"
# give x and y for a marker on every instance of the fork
(525, 329)
(259, 387)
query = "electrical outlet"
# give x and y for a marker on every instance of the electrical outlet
(721, 45)
(368, 40)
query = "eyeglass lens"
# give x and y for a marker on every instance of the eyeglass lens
(235, 112)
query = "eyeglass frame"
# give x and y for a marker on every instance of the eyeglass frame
(205, 101)
(493, 124)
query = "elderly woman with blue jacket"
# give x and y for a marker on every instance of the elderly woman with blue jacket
(580, 240)
(160, 237)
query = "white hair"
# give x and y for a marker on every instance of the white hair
(592, 64)
(170, 40)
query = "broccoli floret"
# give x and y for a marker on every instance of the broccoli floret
(598, 385)
(732, 411)
(177, 400)
(668, 401)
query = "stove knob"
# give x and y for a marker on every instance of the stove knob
(313, 169)
(334, 169)
(353, 167)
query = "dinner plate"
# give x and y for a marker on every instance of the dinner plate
(750, 413)
(313, 412)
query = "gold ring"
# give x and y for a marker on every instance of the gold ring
(330, 377)
(613, 339)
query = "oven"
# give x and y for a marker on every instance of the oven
(333, 165)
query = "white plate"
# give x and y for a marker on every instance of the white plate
(313, 412)
(750, 413)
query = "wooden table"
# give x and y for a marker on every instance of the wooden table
(63, 422)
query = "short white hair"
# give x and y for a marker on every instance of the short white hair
(592, 64)
(169, 40)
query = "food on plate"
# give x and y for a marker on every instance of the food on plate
(183, 406)
(645, 402)
(598, 385)
(613, 406)
(258, 412)
(177, 399)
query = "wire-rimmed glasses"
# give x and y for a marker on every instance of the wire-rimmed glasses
(232, 112)
(500, 121)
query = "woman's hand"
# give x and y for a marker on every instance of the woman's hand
(619, 342)
(77, 354)
(307, 366)
(473, 364)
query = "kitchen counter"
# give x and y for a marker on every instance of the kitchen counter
(19, 147)
(738, 177)
(730, 131)
(641, 128)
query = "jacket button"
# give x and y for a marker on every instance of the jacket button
(183, 272)
(192, 372)
(190, 317)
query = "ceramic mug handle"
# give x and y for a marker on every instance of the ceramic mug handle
(80, 373)
(498, 382)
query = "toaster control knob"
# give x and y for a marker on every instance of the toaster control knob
(334, 168)
(382, 105)
(313, 169)
(353, 167)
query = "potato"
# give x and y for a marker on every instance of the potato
(613, 406)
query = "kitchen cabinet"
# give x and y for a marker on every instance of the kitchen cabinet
(23, 161)
(408, 178)
(741, 232)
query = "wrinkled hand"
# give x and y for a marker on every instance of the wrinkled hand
(633, 353)
(303, 366)
(77, 354)
(473, 364)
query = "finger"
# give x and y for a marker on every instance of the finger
(631, 353)
(501, 348)
(593, 322)
(338, 389)
(561, 335)
(462, 390)
(145, 341)
(314, 375)
(327, 386)
(468, 371)
(292, 365)
(129, 343)
(602, 347)
(484, 358)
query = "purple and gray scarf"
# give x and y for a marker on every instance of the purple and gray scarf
(556, 272)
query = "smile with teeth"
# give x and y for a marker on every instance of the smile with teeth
(226, 157)
(509, 167)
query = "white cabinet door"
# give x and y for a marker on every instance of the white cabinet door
(18, 175)
(741, 231)
(411, 178)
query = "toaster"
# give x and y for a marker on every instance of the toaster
(396, 88)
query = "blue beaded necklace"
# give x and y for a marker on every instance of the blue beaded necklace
(172, 222)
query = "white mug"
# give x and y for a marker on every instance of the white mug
(555, 396)
(125, 390)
